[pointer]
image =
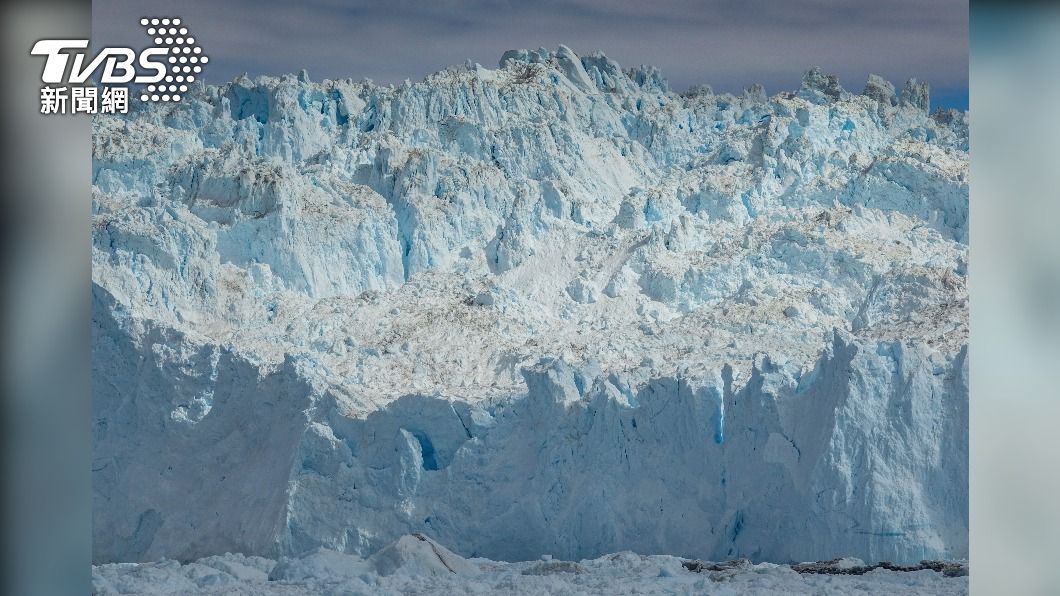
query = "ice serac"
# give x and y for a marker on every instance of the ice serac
(552, 308)
(176, 450)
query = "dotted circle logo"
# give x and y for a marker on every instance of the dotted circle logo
(183, 64)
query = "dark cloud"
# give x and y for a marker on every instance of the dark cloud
(726, 43)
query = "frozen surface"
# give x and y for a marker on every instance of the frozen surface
(328, 572)
(548, 308)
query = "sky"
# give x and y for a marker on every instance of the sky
(728, 44)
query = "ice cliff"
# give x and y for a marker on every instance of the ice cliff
(553, 307)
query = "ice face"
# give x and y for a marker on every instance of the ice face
(548, 308)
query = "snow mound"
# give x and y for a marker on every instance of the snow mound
(416, 554)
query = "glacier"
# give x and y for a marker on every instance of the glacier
(552, 307)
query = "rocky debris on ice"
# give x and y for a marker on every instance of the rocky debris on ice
(550, 567)
(851, 566)
(553, 301)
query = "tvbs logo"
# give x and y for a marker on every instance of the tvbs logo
(166, 69)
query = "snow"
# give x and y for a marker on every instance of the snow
(329, 572)
(549, 308)
(417, 554)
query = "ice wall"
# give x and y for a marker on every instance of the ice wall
(548, 308)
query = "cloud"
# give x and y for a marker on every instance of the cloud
(729, 44)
